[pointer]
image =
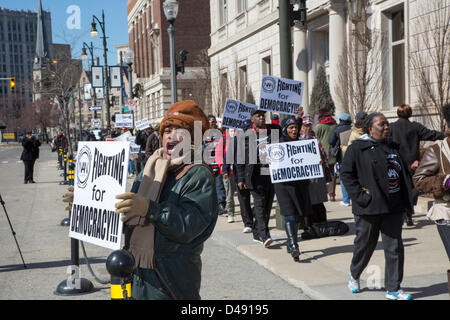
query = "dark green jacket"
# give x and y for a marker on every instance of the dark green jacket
(184, 219)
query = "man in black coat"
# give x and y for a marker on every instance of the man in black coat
(345, 124)
(253, 174)
(141, 140)
(29, 155)
(408, 134)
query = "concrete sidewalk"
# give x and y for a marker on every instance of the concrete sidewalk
(323, 270)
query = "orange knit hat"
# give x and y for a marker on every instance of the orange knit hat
(183, 114)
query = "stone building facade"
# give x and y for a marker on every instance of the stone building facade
(245, 45)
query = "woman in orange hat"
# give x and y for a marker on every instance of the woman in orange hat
(170, 213)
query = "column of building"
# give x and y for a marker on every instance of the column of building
(337, 38)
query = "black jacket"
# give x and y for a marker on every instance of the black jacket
(335, 139)
(364, 173)
(408, 135)
(246, 171)
(30, 149)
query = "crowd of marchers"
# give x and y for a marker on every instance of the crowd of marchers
(175, 202)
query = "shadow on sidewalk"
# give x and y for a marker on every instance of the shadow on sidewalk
(344, 249)
(423, 292)
(49, 264)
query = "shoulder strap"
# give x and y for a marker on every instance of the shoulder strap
(445, 149)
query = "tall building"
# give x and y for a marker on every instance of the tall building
(18, 34)
(149, 40)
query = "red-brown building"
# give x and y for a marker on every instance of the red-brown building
(149, 40)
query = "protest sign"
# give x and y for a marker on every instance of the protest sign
(134, 148)
(280, 95)
(124, 120)
(296, 160)
(237, 114)
(142, 124)
(100, 175)
(345, 136)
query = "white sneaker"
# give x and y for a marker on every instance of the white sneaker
(342, 203)
(353, 285)
(398, 295)
(230, 219)
(268, 242)
(247, 230)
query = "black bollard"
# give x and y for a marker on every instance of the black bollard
(64, 174)
(66, 221)
(120, 265)
(74, 285)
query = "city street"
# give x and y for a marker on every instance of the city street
(36, 212)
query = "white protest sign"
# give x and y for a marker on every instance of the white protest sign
(134, 148)
(236, 114)
(142, 124)
(280, 95)
(296, 160)
(124, 136)
(100, 175)
(124, 120)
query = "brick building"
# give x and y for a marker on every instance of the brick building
(149, 40)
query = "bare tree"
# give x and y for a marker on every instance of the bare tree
(430, 57)
(230, 85)
(59, 78)
(360, 75)
(201, 91)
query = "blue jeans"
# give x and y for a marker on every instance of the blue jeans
(345, 197)
(131, 167)
(220, 190)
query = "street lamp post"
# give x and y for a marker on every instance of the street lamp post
(129, 59)
(94, 34)
(171, 11)
(84, 56)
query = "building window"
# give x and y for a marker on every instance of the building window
(241, 5)
(266, 67)
(223, 87)
(223, 12)
(243, 78)
(397, 46)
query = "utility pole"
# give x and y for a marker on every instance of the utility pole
(285, 39)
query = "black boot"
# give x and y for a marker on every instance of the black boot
(292, 246)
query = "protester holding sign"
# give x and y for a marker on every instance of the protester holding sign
(293, 196)
(171, 211)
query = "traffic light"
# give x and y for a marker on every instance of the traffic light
(182, 57)
(12, 84)
(299, 14)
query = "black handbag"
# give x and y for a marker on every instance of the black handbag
(334, 151)
(327, 174)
